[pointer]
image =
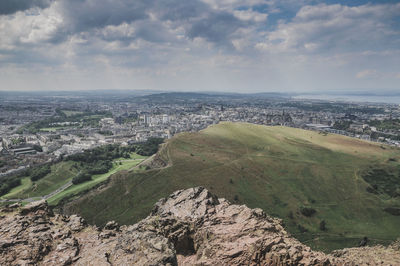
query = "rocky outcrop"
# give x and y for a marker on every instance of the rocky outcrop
(154, 161)
(190, 227)
(157, 160)
(376, 255)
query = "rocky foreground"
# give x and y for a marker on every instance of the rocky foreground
(190, 227)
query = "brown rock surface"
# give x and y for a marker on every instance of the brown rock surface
(190, 227)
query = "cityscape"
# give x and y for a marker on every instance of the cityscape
(39, 128)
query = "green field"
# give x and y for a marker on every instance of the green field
(25, 184)
(279, 169)
(69, 113)
(96, 179)
(62, 173)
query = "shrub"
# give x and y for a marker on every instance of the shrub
(393, 211)
(307, 211)
(322, 225)
(372, 190)
(101, 167)
(80, 178)
(301, 228)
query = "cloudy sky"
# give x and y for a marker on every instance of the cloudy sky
(200, 45)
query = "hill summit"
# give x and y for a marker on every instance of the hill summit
(189, 227)
(331, 191)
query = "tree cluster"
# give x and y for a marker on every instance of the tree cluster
(342, 125)
(9, 183)
(149, 147)
(39, 172)
(81, 177)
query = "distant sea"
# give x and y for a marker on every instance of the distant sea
(352, 98)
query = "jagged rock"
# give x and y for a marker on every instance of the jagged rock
(112, 225)
(7, 209)
(40, 205)
(190, 227)
(396, 245)
(189, 204)
(10, 208)
(76, 223)
(376, 255)
(15, 205)
(155, 161)
(221, 233)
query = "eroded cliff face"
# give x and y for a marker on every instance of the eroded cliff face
(190, 227)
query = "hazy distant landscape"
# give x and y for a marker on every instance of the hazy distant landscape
(394, 99)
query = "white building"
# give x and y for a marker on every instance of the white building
(165, 119)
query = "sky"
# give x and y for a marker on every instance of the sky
(200, 45)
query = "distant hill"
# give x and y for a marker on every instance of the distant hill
(316, 183)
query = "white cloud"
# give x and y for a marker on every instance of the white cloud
(249, 15)
(30, 29)
(367, 73)
(233, 4)
(336, 27)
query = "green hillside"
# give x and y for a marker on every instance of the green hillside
(314, 182)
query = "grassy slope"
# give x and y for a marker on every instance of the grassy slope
(96, 179)
(25, 184)
(61, 173)
(275, 168)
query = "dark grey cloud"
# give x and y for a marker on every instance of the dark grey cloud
(11, 6)
(84, 15)
(217, 27)
(87, 16)
(178, 10)
(148, 18)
